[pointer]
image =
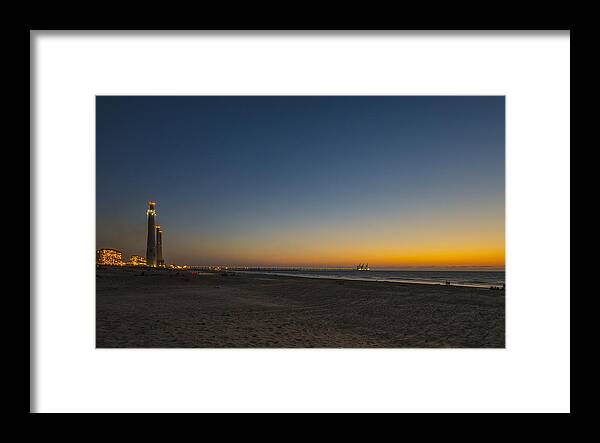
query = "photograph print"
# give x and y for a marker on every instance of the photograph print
(300, 222)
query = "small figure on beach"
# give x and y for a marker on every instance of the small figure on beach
(447, 282)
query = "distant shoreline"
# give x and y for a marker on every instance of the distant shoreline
(367, 276)
(299, 274)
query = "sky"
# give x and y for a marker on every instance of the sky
(394, 181)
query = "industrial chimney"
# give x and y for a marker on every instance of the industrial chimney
(151, 244)
(159, 257)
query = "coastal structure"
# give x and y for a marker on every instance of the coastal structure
(109, 257)
(151, 239)
(159, 257)
(137, 260)
(154, 254)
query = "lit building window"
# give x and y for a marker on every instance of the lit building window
(110, 257)
(137, 260)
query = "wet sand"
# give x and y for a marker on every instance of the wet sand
(169, 309)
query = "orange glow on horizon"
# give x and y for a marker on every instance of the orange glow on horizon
(427, 256)
(494, 259)
(458, 237)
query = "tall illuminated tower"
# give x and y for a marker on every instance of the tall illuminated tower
(151, 243)
(159, 257)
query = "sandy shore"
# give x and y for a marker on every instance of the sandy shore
(168, 309)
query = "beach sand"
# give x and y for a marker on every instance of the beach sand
(168, 309)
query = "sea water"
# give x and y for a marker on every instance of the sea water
(473, 278)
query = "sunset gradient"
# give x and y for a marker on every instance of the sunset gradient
(305, 181)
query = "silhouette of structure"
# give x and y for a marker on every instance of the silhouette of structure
(159, 256)
(151, 242)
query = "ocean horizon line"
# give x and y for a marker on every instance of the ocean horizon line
(353, 268)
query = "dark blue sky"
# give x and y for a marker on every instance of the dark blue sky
(303, 180)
